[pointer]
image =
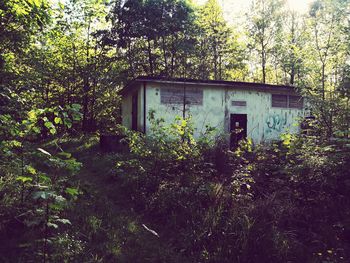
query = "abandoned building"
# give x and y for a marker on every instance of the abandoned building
(258, 111)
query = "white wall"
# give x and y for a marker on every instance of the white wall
(263, 122)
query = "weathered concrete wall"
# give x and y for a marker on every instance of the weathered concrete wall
(140, 108)
(127, 107)
(126, 110)
(264, 122)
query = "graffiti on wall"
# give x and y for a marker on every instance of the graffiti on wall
(275, 123)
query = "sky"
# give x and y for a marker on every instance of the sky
(234, 10)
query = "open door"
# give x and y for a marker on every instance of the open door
(238, 128)
(134, 112)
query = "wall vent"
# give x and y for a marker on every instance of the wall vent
(239, 103)
(193, 96)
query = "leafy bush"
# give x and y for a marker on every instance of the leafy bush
(179, 183)
(284, 202)
(35, 187)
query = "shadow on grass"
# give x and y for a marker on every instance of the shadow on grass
(104, 217)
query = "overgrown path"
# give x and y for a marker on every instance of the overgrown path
(104, 214)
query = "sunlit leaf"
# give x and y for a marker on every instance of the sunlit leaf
(30, 169)
(58, 120)
(72, 191)
(49, 224)
(24, 179)
(32, 115)
(63, 221)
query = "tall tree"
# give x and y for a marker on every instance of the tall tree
(69, 64)
(291, 51)
(19, 22)
(327, 20)
(264, 25)
(153, 37)
(218, 50)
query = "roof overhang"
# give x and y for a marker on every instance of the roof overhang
(234, 85)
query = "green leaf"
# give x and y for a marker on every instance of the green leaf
(30, 169)
(57, 206)
(65, 154)
(58, 120)
(72, 191)
(36, 129)
(52, 225)
(44, 179)
(68, 123)
(63, 221)
(32, 116)
(59, 198)
(61, 5)
(48, 124)
(76, 106)
(287, 138)
(42, 194)
(16, 143)
(53, 130)
(76, 116)
(24, 179)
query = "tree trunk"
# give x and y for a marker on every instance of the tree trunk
(292, 75)
(323, 81)
(215, 61)
(165, 57)
(86, 86)
(150, 61)
(263, 66)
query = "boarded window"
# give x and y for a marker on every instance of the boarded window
(280, 101)
(194, 96)
(239, 103)
(171, 96)
(295, 102)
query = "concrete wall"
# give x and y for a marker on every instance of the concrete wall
(264, 123)
(126, 110)
(127, 107)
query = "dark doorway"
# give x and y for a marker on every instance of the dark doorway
(134, 112)
(238, 128)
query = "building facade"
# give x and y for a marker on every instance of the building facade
(261, 112)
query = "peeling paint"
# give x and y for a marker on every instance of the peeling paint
(264, 122)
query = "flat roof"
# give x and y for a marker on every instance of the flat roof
(218, 83)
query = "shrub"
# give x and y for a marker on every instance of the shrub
(284, 202)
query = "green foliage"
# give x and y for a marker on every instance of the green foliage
(277, 203)
(220, 55)
(187, 189)
(265, 25)
(34, 184)
(164, 29)
(172, 198)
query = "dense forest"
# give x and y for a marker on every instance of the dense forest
(168, 197)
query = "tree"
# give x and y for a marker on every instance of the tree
(69, 64)
(152, 37)
(218, 50)
(264, 25)
(19, 21)
(290, 51)
(327, 20)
